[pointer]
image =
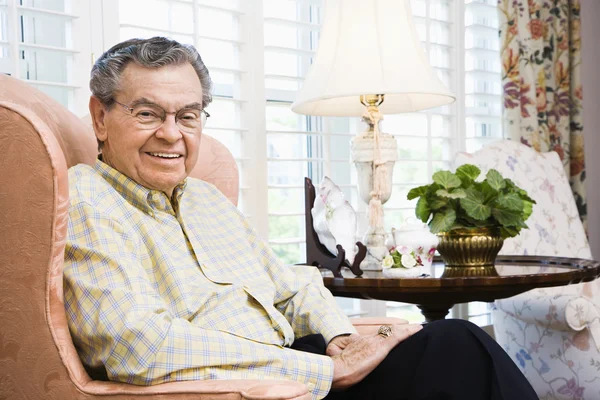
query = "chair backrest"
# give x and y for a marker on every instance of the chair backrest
(554, 226)
(39, 139)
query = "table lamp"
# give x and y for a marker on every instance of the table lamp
(370, 62)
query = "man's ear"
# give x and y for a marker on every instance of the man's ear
(98, 112)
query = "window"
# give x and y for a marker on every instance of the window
(42, 42)
(295, 143)
(427, 140)
(483, 89)
(462, 43)
(258, 52)
(299, 146)
(483, 96)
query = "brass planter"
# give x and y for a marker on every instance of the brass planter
(470, 251)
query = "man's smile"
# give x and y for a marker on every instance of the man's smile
(164, 155)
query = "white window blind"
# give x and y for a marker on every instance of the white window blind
(483, 90)
(41, 41)
(300, 146)
(258, 52)
(466, 58)
(294, 142)
(427, 140)
(483, 97)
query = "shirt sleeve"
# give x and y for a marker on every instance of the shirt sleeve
(119, 321)
(300, 295)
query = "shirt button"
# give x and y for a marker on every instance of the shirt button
(311, 386)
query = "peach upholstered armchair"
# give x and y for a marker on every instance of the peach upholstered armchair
(39, 140)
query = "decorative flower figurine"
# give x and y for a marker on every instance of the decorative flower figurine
(403, 262)
(388, 262)
(408, 261)
(334, 219)
(416, 240)
(430, 254)
(403, 257)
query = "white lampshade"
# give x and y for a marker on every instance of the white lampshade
(369, 47)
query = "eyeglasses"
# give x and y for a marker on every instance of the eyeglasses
(152, 116)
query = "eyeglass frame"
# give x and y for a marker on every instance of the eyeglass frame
(165, 113)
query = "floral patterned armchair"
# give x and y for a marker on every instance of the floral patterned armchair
(552, 334)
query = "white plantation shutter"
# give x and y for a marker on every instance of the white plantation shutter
(483, 97)
(298, 146)
(301, 146)
(258, 52)
(294, 142)
(427, 140)
(47, 44)
(483, 90)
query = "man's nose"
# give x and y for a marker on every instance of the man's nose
(169, 130)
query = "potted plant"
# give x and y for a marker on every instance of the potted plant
(471, 217)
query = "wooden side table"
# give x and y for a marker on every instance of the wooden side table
(435, 295)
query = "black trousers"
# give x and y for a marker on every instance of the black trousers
(448, 359)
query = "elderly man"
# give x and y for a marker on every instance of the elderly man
(165, 279)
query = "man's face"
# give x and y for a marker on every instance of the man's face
(158, 158)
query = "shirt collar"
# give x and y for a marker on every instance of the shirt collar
(147, 200)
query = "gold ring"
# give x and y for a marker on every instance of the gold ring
(385, 331)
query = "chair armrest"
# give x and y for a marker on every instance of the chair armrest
(224, 389)
(366, 326)
(562, 312)
(203, 390)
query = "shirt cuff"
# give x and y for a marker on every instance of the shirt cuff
(341, 335)
(332, 330)
(321, 388)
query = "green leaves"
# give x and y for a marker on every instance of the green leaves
(458, 200)
(442, 221)
(467, 173)
(446, 179)
(397, 257)
(455, 194)
(507, 232)
(495, 180)
(438, 203)
(423, 211)
(510, 201)
(527, 209)
(474, 205)
(507, 218)
(417, 192)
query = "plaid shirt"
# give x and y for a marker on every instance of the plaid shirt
(158, 291)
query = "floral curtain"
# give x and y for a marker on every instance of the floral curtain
(541, 78)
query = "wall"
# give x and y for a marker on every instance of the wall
(590, 14)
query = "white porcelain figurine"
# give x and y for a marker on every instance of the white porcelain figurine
(416, 236)
(334, 219)
(415, 245)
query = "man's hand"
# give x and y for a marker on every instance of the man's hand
(362, 354)
(339, 343)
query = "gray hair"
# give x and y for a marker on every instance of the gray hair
(155, 52)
